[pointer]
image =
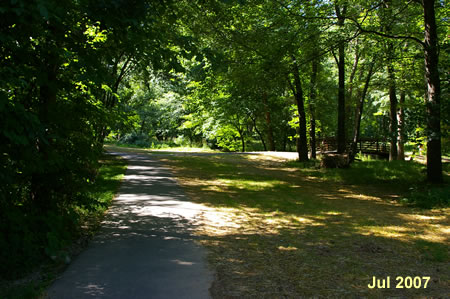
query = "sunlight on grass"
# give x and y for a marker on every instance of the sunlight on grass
(271, 221)
(390, 231)
(184, 149)
(367, 172)
(303, 220)
(249, 184)
(177, 149)
(334, 213)
(289, 248)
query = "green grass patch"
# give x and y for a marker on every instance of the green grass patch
(234, 186)
(108, 180)
(163, 147)
(432, 251)
(406, 176)
(367, 172)
(288, 227)
(428, 196)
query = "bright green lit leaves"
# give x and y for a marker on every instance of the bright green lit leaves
(95, 35)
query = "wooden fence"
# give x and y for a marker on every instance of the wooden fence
(364, 145)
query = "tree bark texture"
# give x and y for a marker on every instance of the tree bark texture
(434, 154)
(341, 139)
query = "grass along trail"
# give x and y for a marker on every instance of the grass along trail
(278, 230)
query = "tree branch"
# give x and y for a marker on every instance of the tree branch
(334, 55)
(365, 31)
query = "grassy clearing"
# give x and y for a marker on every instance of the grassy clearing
(372, 172)
(103, 190)
(162, 149)
(279, 230)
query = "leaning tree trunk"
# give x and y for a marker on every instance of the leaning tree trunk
(110, 99)
(434, 155)
(359, 111)
(302, 144)
(259, 132)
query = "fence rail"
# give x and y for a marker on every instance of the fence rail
(364, 145)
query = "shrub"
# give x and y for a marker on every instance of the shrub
(335, 161)
(429, 196)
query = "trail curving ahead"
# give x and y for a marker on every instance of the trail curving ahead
(146, 247)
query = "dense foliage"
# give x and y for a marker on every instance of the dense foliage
(61, 64)
(234, 75)
(279, 75)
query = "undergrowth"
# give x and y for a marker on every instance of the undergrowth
(37, 244)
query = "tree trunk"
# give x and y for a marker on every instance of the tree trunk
(350, 101)
(259, 133)
(141, 130)
(401, 132)
(359, 111)
(353, 72)
(270, 139)
(434, 155)
(242, 141)
(312, 110)
(390, 51)
(285, 141)
(341, 139)
(302, 145)
(341, 102)
(393, 124)
(110, 99)
(312, 135)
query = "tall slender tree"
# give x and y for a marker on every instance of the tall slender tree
(341, 11)
(433, 96)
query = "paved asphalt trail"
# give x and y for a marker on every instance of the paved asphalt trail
(146, 246)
